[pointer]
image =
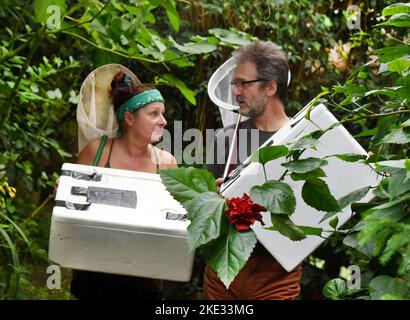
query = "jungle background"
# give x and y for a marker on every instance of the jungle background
(359, 63)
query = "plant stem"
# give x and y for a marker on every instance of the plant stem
(35, 212)
(377, 115)
(264, 172)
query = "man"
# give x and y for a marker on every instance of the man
(260, 87)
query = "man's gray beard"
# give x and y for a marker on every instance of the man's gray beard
(252, 112)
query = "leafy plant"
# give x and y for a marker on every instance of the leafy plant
(223, 226)
(381, 105)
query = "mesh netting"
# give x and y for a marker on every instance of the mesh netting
(95, 111)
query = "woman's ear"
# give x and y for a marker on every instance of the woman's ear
(128, 119)
(271, 88)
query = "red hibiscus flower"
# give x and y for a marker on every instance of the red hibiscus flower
(243, 212)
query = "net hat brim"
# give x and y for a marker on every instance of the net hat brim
(95, 111)
(220, 92)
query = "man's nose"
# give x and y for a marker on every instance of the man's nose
(236, 91)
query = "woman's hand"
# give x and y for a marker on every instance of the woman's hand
(56, 187)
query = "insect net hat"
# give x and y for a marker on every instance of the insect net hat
(221, 93)
(95, 110)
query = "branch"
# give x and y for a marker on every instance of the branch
(110, 50)
(83, 22)
(377, 115)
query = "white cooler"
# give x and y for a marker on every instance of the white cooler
(120, 222)
(342, 178)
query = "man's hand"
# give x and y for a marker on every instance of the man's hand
(218, 183)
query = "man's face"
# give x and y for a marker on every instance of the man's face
(251, 97)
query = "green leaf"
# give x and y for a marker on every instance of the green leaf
(172, 14)
(21, 232)
(396, 8)
(334, 289)
(382, 285)
(316, 194)
(398, 20)
(228, 254)
(366, 133)
(185, 184)
(186, 92)
(158, 43)
(352, 240)
(11, 247)
(353, 197)
(304, 143)
(390, 164)
(398, 136)
(399, 65)
(276, 196)
(227, 37)
(174, 58)
(305, 165)
(350, 157)
(394, 244)
(392, 53)
(395, 213)
(391, 92)
(317, 173)
(205, 212)
(307, 230)
(399, 183)
(286, 227)
(193, 47)
(404, 197)
(407, 164)
(45, 9)
(333, 223)
(266, 154)
(405, 123)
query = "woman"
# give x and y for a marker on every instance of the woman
(140, 114)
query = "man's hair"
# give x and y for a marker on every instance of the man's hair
(271, 63)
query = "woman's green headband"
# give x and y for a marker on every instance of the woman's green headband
(138, 101)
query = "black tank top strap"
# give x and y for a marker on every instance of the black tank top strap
(156, 158)
(107, 165)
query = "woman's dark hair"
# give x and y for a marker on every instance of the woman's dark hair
(124, 88)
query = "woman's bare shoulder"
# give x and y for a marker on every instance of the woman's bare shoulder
(166, 160)
(87, 155)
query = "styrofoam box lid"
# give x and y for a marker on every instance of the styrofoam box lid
(153, 202)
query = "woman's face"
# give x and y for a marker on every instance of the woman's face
(148, 122)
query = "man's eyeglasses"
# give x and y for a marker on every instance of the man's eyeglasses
(240, 84)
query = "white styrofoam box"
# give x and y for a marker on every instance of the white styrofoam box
(139, 241)
(342, 178)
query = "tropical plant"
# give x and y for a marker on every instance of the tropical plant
(379, 94)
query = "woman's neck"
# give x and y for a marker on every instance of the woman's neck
(133, 147)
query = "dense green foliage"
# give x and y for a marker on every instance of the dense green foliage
(364, 74)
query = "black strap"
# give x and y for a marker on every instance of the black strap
(107, 165)
(71, 206)
(156, 158)
(81, 175)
